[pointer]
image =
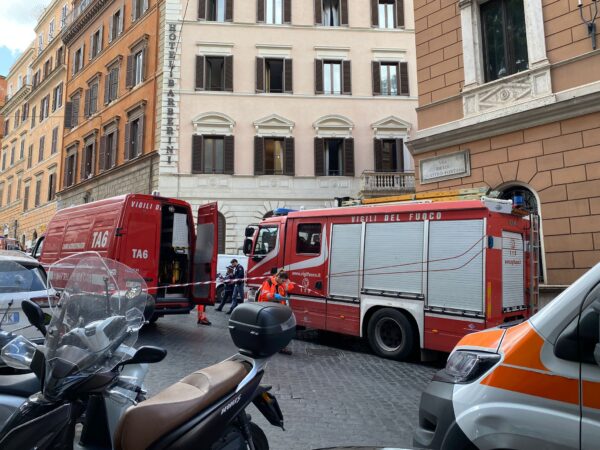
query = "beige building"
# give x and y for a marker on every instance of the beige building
(271, 103)
(33, 124)
(509, 98)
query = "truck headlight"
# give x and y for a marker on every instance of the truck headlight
(465, 366)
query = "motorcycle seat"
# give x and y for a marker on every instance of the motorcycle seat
(22, 385)
(145, 423)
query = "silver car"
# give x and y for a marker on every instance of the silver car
(21, 278)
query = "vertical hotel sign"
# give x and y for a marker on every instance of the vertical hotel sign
(170, 97)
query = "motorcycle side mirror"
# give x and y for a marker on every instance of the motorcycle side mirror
(147, 354)
(35, 315)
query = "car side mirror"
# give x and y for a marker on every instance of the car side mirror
(35, 315)
(148, 355)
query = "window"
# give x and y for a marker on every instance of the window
(308, 239)
(9, 192)
(25, 112)
(33, 116)
(19, 82)
(22, 150)
(136, 66)
(504, 38)
(390, 78)
(331, 13)
(4, 153)
(70, 167)
(6, 126)
(57, 95)
(30, 156)
(138, 74)
(60, 56)
(274, 156)
(36, 79)
(134, 136)
(274, 75)
(266, 240)
(215, 10)
(78, 60)
(215, 79)
(212, 154)
(38, 191)
(18, 194)
(389, 155)
(51, 186)
(63, 16)
(40, 43)
(139, 7)
(1, 195)
(44, 108)
(26, 197)
(108, 147)
(386, 13)
(111, 86)
(54, 144)
(332, 77)
(96, 43)
(51, 30)
(13, 150)
(87, 163)
(47, 67)
(17, 117)
(334, 156)
(75, 100)
(115, 25)
(274, 11)
(41, 149)
(91, 98)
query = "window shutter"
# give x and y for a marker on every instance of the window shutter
(199, 72)
(374, 13)
(102, 161)
(121, 19)
(145, 6)
(377, 149)
(83, 164)
(68, 112)
(74, 173)
(54, 146)
(399, 13)
(287, 11)
(318, 12)
(197, 153)
(318, 76)
(112, 161)
(134, 11)
(144, 62)
(229, 10)
(260, 74)
(288, 76)
(400, 150)
(376, 69)
(81, 59)
(50, 64)
(260, 10)
(349, 157)
(347, 78)
(127, 141)
(201, 9)
(140, 136)
(403, 88)
(344, 5)
(75, 116)
(229, 156)
(229, 73)
(319, 157)
(289, 158)
(91, 46)
(259, 156)
(86, 104)
(129, 75)
(114, 88)
(101, 38)
(107, 89)
(53, 103)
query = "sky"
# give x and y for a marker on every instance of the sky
(17, 20)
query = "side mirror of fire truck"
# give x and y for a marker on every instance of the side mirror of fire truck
(249, 232)
(247, 246)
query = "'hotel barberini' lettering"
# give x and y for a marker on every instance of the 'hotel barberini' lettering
(411, 217)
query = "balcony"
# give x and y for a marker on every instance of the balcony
(83, 13)
(374, 184)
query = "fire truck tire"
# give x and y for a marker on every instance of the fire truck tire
(391, 334)
(154, 318)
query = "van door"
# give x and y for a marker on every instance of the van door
(205, 255)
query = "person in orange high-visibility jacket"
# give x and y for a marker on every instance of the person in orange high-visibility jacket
(275, 289)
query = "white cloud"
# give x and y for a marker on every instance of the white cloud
(17, 22)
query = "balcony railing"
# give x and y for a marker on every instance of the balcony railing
(375, 183)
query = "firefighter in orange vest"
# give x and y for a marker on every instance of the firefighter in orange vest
(275, 289)
(202, 319)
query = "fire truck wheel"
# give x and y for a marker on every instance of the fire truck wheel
(391, 334)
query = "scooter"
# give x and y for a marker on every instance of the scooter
(83, 357)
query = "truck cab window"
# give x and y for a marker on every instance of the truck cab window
(266, 240)
(308, 239)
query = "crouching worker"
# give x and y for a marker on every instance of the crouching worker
(276, 289)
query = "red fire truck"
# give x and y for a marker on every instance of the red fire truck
(154, 235)
(405, 276)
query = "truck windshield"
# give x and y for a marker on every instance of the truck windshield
(266, 240)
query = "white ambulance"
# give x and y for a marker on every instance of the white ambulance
(535, 385)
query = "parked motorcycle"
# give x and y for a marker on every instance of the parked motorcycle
(92, 327)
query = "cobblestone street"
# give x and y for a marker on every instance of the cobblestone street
(332, 390)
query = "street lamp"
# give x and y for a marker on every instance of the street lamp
(591, 24)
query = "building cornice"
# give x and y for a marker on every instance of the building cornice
(564, 105)
(17, 98)
(51, 76)
(83, 20)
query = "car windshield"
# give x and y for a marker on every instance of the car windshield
(15, 278)
(266, 240)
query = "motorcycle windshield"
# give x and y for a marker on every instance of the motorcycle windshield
(97, 318)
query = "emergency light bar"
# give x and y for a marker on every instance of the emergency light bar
(283, 211)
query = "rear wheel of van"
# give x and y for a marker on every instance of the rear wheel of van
(219, 295)
(391, 334)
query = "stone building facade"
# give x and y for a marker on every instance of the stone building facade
(520, 116)
(109, 140)
(289, 103)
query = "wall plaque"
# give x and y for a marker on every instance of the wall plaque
(445, 167)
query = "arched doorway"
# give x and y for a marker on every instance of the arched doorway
(221, 229)
(524, 196)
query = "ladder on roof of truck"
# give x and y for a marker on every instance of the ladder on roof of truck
(431, 196)
(534, 246)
